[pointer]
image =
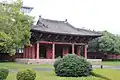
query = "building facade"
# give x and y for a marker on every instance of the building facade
(51, 39)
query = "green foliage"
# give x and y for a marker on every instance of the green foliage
(93, 45)
(3, 73)
(72, 66)
(26, 75)
(57, 62)
(14, 27)
(108, 43)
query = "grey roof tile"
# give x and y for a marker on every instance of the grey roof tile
(61, 27)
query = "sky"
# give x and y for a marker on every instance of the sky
(96, 15)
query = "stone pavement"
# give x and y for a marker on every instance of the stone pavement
(51, 69)
(106, 67)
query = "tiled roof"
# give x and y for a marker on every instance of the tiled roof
(61, 27)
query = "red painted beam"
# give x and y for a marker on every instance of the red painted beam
(47, 42)
(62, 43)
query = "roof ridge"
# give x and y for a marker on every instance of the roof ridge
(52, 20)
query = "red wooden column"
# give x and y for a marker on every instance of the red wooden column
(72, 48)
(65, 51)
(78, 50)
(48, 52)
(24, 52)
(37, 51)
(33, 51)
(85, 51)
(26, 55)
(30, 52)
(53, 50)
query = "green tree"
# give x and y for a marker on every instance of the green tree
(116, 46)
(14, 27)
(93, 46)
(108, 43)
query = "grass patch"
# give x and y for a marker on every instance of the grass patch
(111, 63)
(103, 74)
(51, 76)
(13, 65)
(109, 74)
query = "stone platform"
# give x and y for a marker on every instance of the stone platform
(50, 61)
(35, 61)
(95, 61)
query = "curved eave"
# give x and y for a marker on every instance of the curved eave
(96, 35)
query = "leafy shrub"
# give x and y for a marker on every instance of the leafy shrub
(26, 75)
(3, 73)
(58, 57)
(72, 65)
(57, 62)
